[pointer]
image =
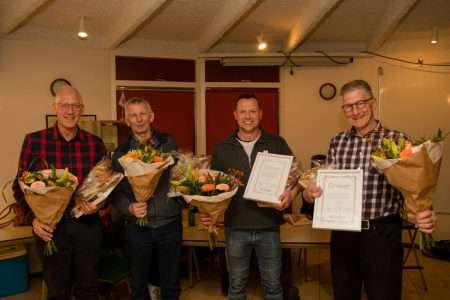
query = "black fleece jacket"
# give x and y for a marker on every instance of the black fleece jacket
(243, 213)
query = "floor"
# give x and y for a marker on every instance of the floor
(437, 274)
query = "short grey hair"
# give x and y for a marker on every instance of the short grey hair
(137, 100)
(67, 89)
(358, 84)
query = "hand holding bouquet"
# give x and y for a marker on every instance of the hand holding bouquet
(100, 182)
(413, 170)
(143, 168)
(210, 191)
(48, 192)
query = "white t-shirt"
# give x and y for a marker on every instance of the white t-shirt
(248, 147)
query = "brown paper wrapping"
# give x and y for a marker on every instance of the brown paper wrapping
(49, 207)
(144, 186)
(215, 209)
(297, 219)
(416, 178)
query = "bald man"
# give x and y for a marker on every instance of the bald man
(65, 145)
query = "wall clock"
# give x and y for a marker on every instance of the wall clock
(327, 91)
(57, 84)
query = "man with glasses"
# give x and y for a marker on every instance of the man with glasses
(65, 145)
(373, 257)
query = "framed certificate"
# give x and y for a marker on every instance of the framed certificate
(268, 177)
(340, 205)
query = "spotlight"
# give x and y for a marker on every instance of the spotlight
(435, 35)
(262, 45)
(82, 34)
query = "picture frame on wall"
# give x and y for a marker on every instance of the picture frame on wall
(87, 122)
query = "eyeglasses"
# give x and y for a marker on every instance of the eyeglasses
(359, 105)
(67, 106)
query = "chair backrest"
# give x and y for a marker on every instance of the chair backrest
(318, 160)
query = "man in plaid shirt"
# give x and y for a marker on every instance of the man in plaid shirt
(372, 257)
(78, 240)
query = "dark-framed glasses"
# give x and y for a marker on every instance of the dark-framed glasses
(359, 105)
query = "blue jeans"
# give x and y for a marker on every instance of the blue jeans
(167, 240)
(238, 249)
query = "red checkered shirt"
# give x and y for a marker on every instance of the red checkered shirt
(79, 155)
(350, 151)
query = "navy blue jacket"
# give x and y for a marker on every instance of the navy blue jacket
(161, 209)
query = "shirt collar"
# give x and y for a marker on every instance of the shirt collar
(81, 135)
(352, 131)
(154, 141)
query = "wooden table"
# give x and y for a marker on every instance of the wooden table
(13, 235)
(292, 237)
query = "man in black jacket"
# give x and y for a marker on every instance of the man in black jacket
(248, 226)
(164, 229)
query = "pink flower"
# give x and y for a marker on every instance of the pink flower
(223, 187)
(46, 173)
(37, 185)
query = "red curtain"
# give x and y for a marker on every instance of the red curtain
(174, 114)
(220, 104)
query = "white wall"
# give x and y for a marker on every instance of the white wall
(415, 100)
(26, 71)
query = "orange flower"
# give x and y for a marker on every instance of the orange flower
(223, 187)
(208, 187)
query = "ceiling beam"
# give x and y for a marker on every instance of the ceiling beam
(133, 15)
(227, 17)
(17, 13)
(393, 15)
(311, 13)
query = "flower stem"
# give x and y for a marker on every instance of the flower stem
(141, 222)
(50, 248)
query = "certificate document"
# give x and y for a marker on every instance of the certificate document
(340, 205)
(268, 177)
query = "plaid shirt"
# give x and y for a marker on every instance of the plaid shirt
(350, 151)
(79, 155)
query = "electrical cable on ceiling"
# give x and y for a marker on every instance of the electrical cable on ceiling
(333, 59)
(291, 64)
(287, 59)
(418, 63)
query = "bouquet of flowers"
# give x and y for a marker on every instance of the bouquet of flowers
(143, 168)
(100, 182)
(208, 190)
(412, 168)
(48, 192)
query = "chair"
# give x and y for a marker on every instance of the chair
(114, 270)
(317, 160)
(411, 248)
(192, 266)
